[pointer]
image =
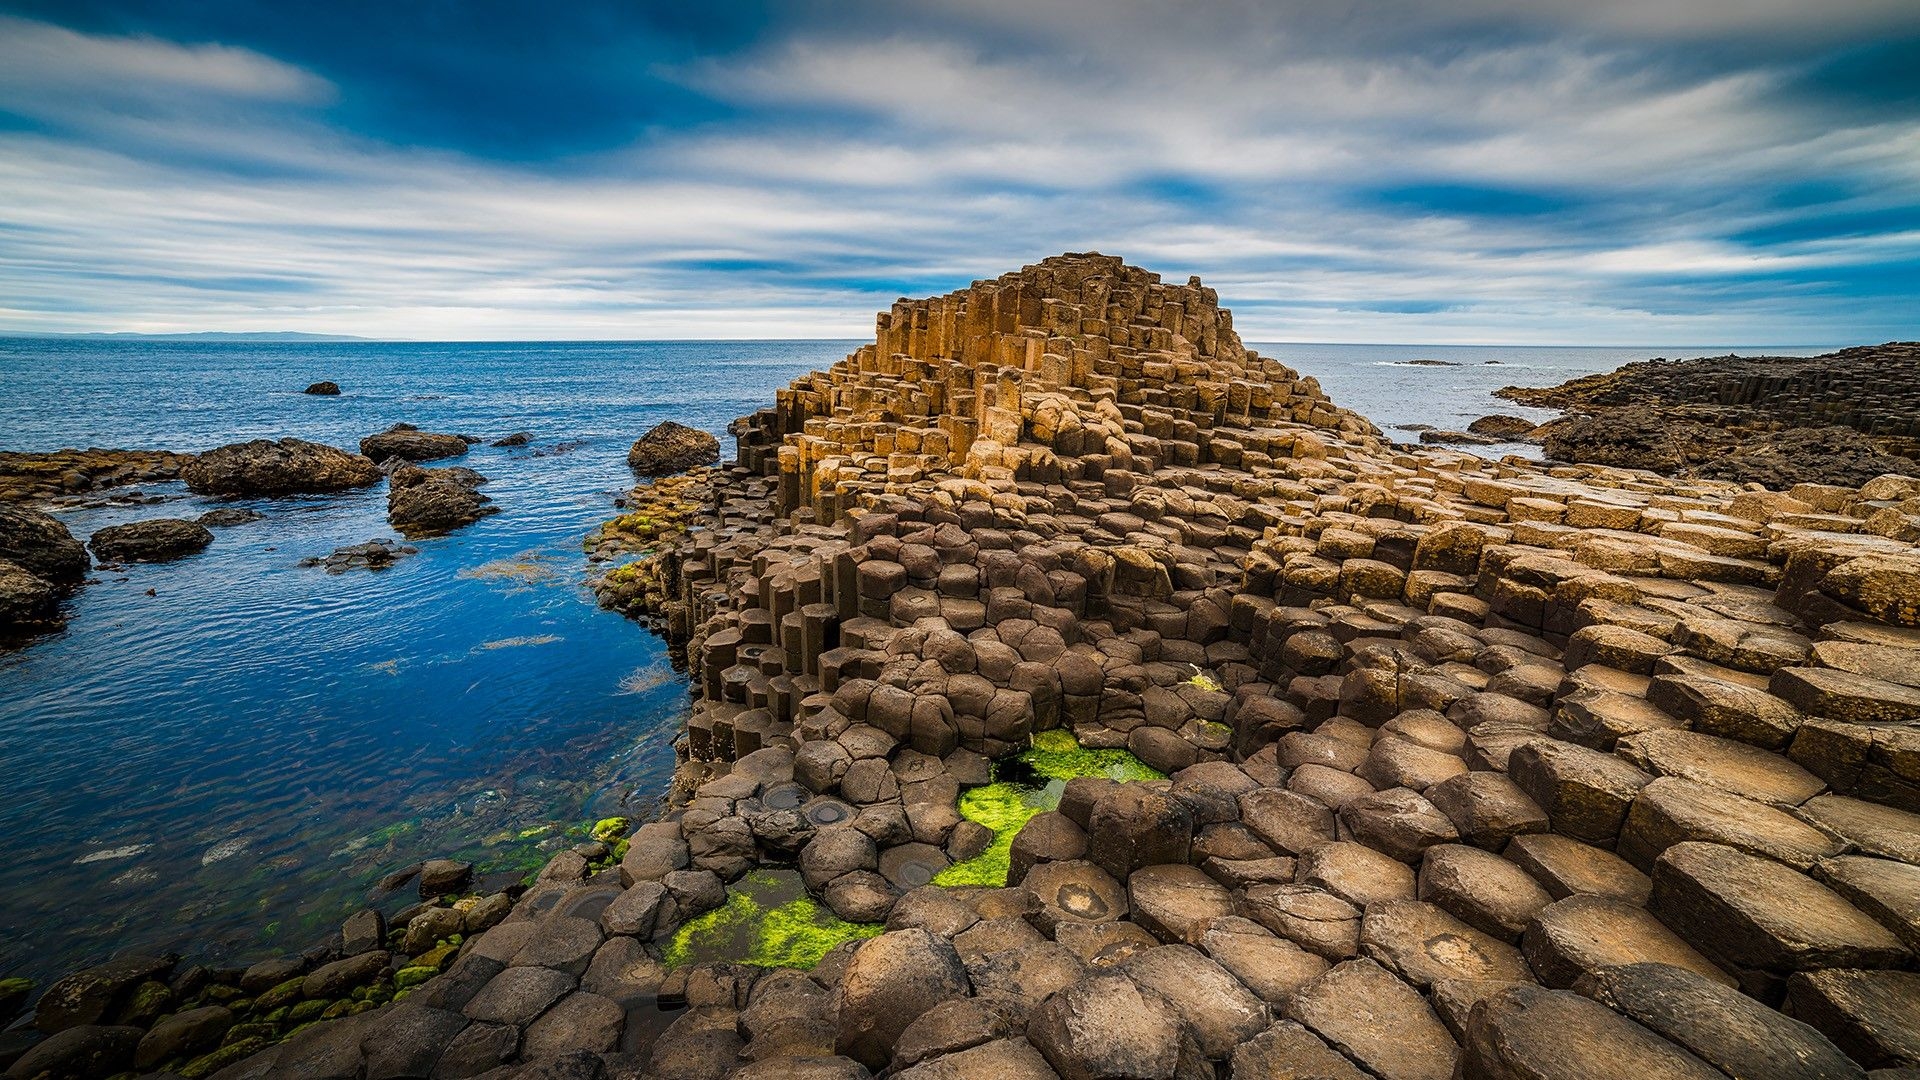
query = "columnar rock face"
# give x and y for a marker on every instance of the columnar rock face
(1480, 769)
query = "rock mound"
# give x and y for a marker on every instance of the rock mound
(283, 467)
(323, 389)
(39, 544)
(155, 540)
(426, 502)
(405, 442)
(26, 601)
(670, 448)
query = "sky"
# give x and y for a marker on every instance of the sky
(1629, 172)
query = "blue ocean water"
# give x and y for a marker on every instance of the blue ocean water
(224, 766)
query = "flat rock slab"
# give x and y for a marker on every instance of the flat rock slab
(1582, 934)
(1366, 1013)
(1755, 914)
(1287, 1051)
(518, 996)
(1567, 867)
(1723, 763)
(1481, 889)
(1887, 890)
(1722, 1026)
(1423, 945)
(1672, 810)
(1528, 1033)
(1868, 1014)
(1216, 1007)
(1176, 902)
(1874, 829)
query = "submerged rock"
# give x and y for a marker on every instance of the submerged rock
(670, 448)
(286, 467)
(229, 515)
(409, 443)
(376, 554)
(424, 502)
(518, 438)
(155, 540)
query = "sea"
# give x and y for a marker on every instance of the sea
(222, 756)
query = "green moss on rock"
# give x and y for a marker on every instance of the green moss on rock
(1006, 805)
(767, 921)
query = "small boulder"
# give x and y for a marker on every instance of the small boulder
(671, 448)
(325, 388)
(425, 502)
(156, 540)
(409, 443)
(40, 545)
(890, 982)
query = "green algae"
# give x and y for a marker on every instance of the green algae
(767, 921)
(1057, 755)
(1006, 805)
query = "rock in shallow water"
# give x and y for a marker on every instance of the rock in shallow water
(423, 502)
(670, 448)
(323, 389)
(409, 443)
(375, 554)
(285, 467)
(156, 540)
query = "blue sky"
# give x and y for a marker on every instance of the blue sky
(1638, 172)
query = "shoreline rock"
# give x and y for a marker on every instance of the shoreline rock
(428, 502)
(40, 563)
(284, 467)
(670, 448)
(152, 540)
(1842, 418)
(404, 442)
(54, 474)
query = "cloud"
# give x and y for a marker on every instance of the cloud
(1357, 171)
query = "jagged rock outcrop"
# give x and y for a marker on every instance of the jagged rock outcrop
(426, 502)
(284, 467)
(324, 388)
(1842, 418)
(670, 448)
(404, 442)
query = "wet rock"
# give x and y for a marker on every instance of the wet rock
(364, 931)
(155, 540)
(405, 442)
(184, 1034)
(477, 1049)
(426, 502)
(26, 602)
(670, 448)
(91, 997)
(376, 554)
(79, 1053)
(286, 467)
(336, 979)
(228, 516)
(890, 982)
(518, 438)
(324, 388)
(40, 545)
(443, 877)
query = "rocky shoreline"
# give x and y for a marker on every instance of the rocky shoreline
(1841, 418)
(1127, 708)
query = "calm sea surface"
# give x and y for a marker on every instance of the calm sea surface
(221, 755)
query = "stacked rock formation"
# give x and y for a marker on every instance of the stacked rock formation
(1479, 769)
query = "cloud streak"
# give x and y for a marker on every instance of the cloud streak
(1366, 172)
